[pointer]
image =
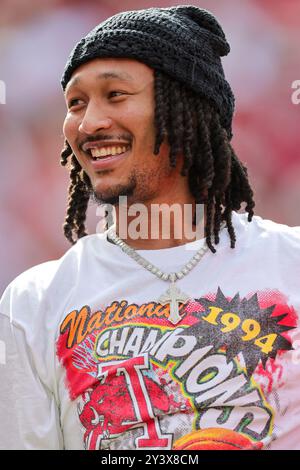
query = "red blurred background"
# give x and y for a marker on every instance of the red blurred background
(35, 40)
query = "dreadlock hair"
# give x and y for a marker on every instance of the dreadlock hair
(191, 125)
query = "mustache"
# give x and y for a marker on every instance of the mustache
(104, 137)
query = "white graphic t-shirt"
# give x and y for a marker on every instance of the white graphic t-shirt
(92, 360)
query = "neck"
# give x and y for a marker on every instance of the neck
(154, 226)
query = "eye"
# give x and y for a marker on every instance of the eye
(115, 94)
(74, 102)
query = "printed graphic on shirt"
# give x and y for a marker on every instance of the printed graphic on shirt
(141, 382)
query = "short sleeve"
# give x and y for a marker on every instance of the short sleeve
(29, 416)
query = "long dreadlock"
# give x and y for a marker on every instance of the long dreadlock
(191, 126)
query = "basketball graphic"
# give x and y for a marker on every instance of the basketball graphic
(216, 439)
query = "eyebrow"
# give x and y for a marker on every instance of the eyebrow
(104, 75)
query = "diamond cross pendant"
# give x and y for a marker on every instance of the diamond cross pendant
(173, 296)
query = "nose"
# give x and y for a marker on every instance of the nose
(94, 120)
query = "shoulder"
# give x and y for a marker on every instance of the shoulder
(264, 232)
(54, 276)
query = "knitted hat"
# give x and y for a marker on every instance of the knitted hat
(185, 42)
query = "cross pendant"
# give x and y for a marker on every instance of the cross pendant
(173, 296)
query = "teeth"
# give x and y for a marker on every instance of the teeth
(105, 151)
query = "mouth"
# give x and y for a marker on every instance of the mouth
(107, 157)
(105, 153)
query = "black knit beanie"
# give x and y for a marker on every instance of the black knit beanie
(185, 42)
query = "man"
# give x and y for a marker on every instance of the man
(155, 342)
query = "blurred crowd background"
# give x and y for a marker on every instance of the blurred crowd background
(35, 40)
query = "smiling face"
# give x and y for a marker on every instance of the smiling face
(110, 128)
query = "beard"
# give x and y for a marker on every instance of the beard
(112, 195)
(138, 189)
(111, 198)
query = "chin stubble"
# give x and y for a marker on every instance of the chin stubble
(112, 195)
